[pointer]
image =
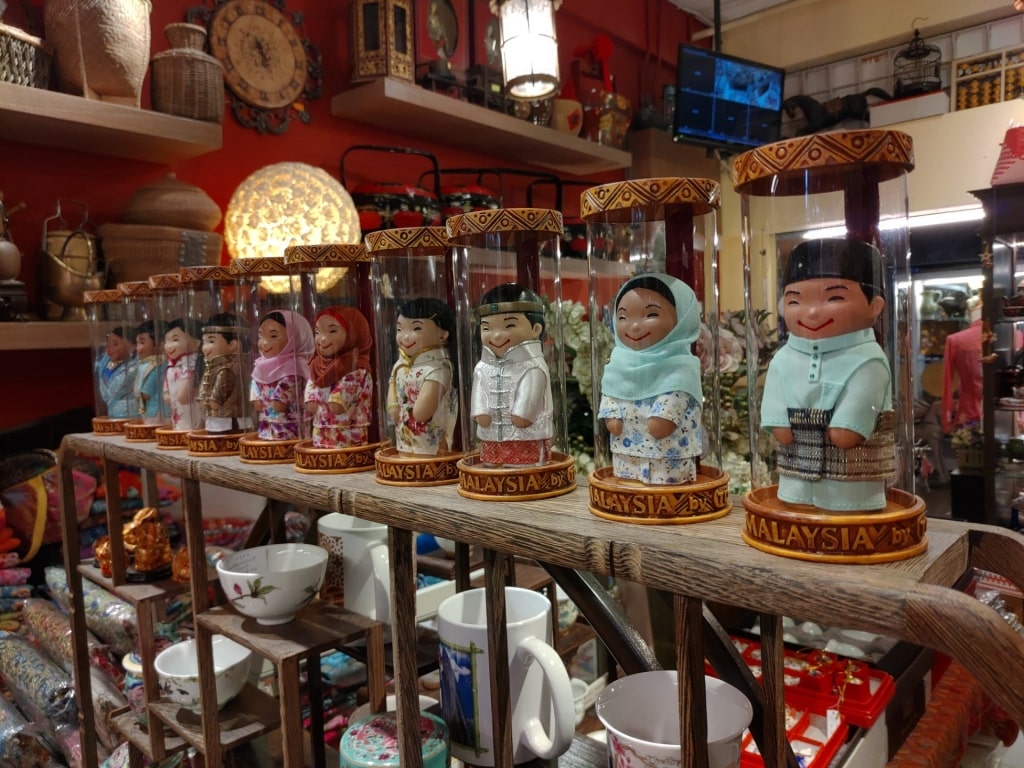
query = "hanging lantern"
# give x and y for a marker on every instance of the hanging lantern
(529, 47)
(917, 68)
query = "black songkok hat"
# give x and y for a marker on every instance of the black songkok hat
(836, 257)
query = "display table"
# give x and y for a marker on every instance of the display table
(916, 600)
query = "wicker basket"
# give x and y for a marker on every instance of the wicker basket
(24, 60)
(136, 251)
(187, 82)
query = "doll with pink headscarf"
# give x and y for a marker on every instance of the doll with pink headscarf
(280, 373)
(339, 394)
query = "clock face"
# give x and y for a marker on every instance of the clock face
(261, 51)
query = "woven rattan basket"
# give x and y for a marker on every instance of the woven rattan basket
(136, 251)
(24, 60)
(187, 82)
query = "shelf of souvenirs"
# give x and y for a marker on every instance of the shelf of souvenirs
(405, 107)
(63, 121)
(44, 335)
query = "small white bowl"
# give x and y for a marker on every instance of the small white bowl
(271, 583)
(178, 671)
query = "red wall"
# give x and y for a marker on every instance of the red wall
(33, 384)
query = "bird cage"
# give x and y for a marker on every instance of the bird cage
(917, 68)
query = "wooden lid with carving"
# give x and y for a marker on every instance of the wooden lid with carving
(325, 255)
(646, 199)
(467, 225)
(821, 163)
(412, 240)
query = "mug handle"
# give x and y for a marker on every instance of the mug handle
(563, 726)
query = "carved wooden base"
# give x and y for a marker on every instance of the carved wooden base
(168, 439)
(630, 501)
(253, 450)
(489, 483)
(104, 425)
(138, 431)
(203, 443)
(333, 461)
(394, 468)
(808, 533)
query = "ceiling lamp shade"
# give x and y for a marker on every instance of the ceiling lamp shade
(288, 204)
(529, 47)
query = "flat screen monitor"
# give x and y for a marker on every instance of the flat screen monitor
(726, 102)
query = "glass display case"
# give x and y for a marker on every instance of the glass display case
(1002, 352)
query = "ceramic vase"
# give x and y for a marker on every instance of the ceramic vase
(113, 63)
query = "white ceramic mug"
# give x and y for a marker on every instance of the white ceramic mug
(542, 699)
(367, 579)
(641, 715)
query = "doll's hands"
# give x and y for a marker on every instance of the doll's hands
(520, 422)
(614, 426)
(484, 419)
(659, 427)
(257, 405)
(783, 434)
(312, 407)
(844, 438)
(393, 412)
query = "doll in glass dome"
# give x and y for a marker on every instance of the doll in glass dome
(115, 373)
(149, 376)
(222, 387)
(339, 393)
(511, 397)
(422, 402)
(828, 394)
(280, 373)
(651, 395)
(182, 340)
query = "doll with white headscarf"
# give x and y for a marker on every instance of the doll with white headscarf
(651, 395)
(280, 373)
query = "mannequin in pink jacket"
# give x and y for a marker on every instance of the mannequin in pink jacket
(963, 358)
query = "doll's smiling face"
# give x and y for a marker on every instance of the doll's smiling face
(273, 337)
(501, 332)
(417, 334)
(643, 318)
(178, 343)
(330, 336)
(144, 345)
(824, 307)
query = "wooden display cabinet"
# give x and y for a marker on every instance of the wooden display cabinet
(916, 600)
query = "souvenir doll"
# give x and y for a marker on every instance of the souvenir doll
(511, 396)
(115, 373)
(150, 374)
(181, 345)
(422, 401)
(339, 393)
(828, 395)
(651, 396)
(280, 373)
(221, 390)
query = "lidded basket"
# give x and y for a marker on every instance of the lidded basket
(187, 82)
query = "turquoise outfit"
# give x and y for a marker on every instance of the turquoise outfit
(844, 382)
(149, 386)
(116, 382)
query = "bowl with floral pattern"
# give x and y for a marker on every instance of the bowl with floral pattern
(273, 582)
(177, 669)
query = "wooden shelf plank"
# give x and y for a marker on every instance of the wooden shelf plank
(127, 724)
(135, 593)
(405, 107)
(250, 715)
(48, 118)
(43, 335)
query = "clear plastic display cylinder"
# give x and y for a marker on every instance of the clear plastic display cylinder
(332, 283)
(177, 350)
(661, 226)
(510, 251)
(417, 345)
(816, 192)
(280, 344)
(112, 345)
(220, 409)
(151, 410)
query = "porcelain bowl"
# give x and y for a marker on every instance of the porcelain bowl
(271, 583)
(177, 669)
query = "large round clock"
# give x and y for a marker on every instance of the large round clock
(261, 52)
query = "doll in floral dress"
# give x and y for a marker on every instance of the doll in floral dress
(339, 393)
(280, 373)
(422, 402)
(651, 395)
(181, 345)
(115, 373)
